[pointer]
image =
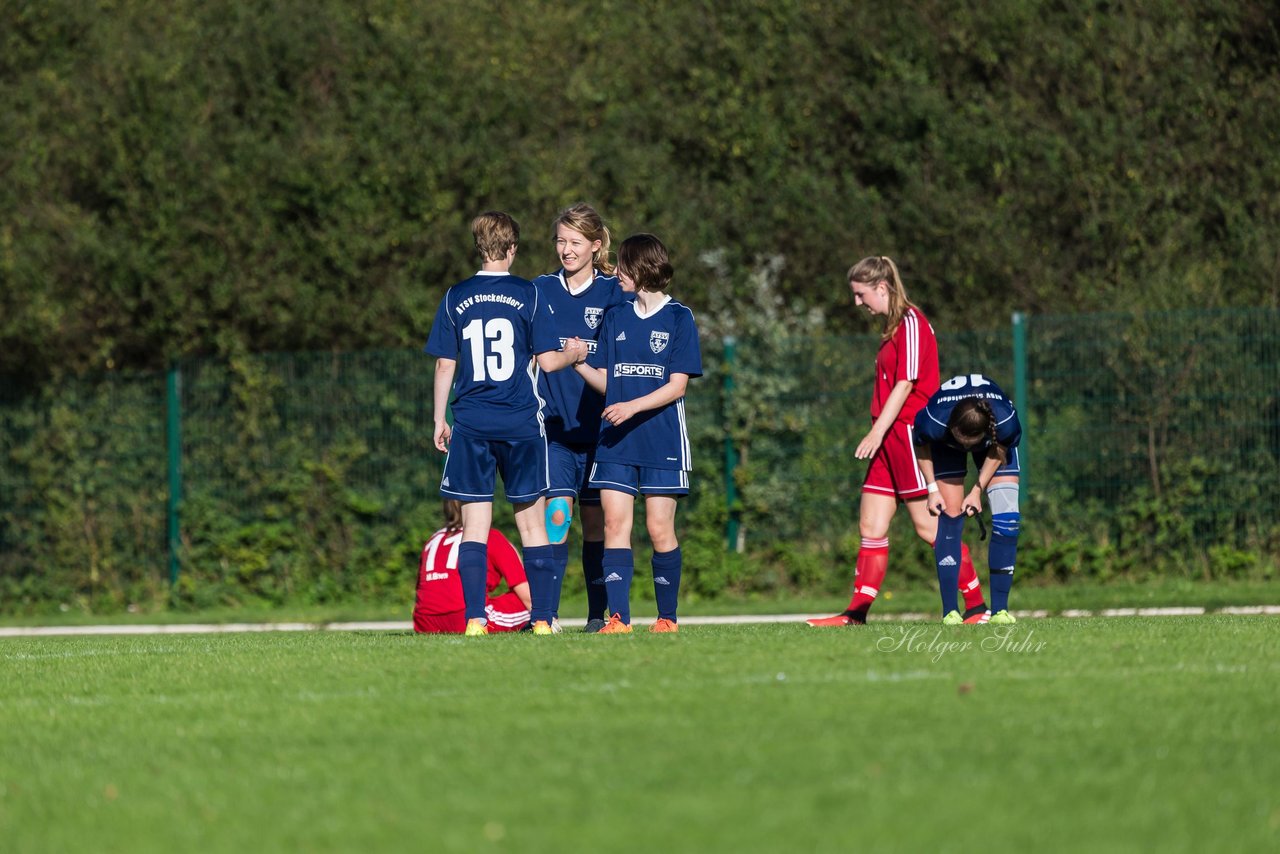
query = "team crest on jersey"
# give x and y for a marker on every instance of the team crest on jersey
(658, 340)
(592, 316)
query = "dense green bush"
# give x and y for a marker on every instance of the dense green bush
(228, 177)
(211, 181)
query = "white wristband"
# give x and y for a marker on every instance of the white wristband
(933, 487)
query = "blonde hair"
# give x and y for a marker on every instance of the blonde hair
(495, 234)
(583, 219)
(880, 268)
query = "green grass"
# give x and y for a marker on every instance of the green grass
(1063, 734)
(897, 598)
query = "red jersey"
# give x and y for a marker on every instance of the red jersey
(911, 354)
(440, 587)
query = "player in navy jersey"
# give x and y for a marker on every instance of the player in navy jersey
(577, 297)
(648, 350)
(970, 415)
(486, 335)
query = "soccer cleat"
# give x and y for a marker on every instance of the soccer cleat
(542, 627)
(615, 626)
(593, 626)
(976, 610)
(953, 618)
(555, 626)
(1003, 618)
(477, 626)
(978, 618)
(838, 620)
(664, 625)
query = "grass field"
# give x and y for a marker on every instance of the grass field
(1131, 734)
(896, 598)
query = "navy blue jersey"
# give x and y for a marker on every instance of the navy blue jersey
(931, 422)
(573, 408)
(492, 324)
(640, 355)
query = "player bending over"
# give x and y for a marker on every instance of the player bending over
(971, 416)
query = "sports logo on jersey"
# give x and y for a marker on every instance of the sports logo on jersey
(630, 369)
(622, 336)
(658, 340)
(592, 316)
(591, 345)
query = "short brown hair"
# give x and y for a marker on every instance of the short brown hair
(495, 233)
(644, 259)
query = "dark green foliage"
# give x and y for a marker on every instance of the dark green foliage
(239, 177)
(217, 180)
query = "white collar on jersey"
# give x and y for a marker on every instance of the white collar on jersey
(640, 313)
(491, 273)
(565, 284)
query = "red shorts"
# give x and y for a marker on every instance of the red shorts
(506, 614)
(893, 469)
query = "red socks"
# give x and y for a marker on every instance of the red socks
(970, 587)
(873, 561)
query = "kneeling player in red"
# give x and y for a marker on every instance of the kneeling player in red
(439, 608)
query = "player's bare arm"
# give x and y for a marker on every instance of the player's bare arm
(573, 352)
(972, 504)
(617, 413)
(440, 398)
(933, 501)
(897, 399)
(597, 378)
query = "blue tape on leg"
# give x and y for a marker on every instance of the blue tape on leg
(558, 508)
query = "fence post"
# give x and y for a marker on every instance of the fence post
(730, 452)
(173, 440)
(1021, 394)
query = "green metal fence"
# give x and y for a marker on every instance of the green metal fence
(1149, 438)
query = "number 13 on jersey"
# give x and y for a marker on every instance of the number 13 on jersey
(497, 360)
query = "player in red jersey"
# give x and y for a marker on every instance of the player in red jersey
(438, 606)
(906, 376)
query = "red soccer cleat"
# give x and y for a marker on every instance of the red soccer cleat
(837, 620)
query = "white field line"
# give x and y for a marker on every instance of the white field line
(744, 619)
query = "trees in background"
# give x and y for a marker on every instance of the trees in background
(232, 177)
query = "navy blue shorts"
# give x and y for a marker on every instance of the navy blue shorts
(639, 480)
(951, 462)
(570, 466)
(470, 465)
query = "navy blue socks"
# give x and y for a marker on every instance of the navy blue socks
(1001, 557)
(946, 553)
(473, 570)
(666, 581)
(540, 568)
(593, 571)
(560, 557)
(618, 567)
